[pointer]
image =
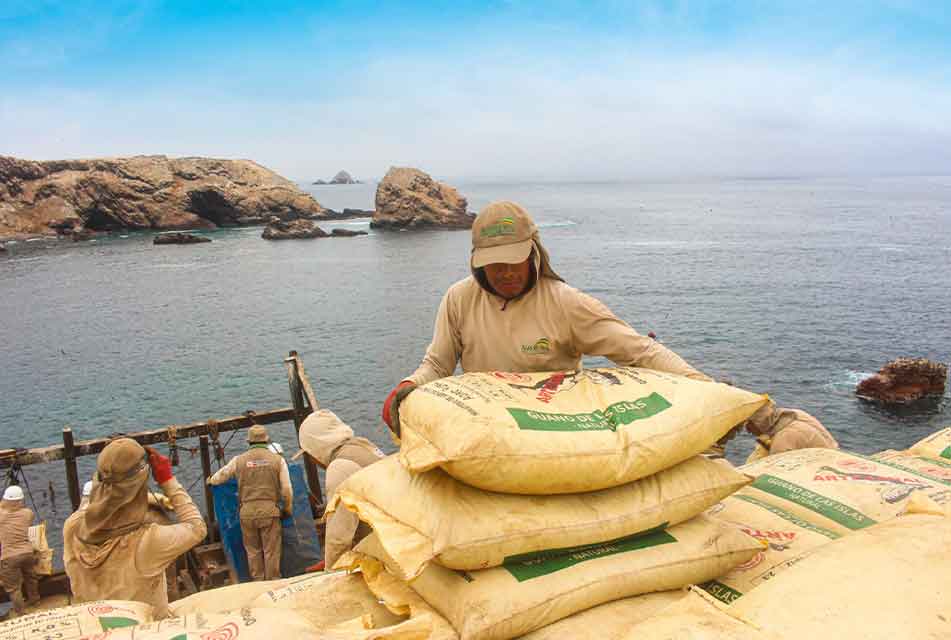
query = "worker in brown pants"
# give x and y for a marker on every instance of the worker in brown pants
(265, 496)
(16, 559)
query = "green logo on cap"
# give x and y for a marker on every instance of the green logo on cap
(504, 227)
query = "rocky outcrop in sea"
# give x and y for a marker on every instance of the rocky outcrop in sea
(179, 238)
(408, 198)
(905, 380)
(342, 177)
(278, 229)
(143, 192)
(346, 233)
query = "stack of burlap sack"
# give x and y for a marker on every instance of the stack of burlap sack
(518, 500)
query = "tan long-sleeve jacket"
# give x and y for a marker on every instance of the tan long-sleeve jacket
(286, 491)
(547, 329)
(132, 566)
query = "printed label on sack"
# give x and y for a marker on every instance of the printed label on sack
(946, 453)
(720, 591)
(609, 419)
(542, 563)
(824, 506)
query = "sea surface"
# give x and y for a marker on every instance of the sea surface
(798, 288)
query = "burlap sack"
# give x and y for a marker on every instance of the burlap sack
(548, 433)
(887, 581)
(85, 619)
(696, 618)
(243, 623)
(43, 555)
(841, 491)
(531, 592)
(328, 599)
(431, 516)
(223, 599)
(609, 621)
(937, 445)
(787, 539)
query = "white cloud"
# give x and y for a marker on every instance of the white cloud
(620, 115)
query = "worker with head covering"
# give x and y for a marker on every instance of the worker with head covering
(331, 442)
(110, 550)
(778, 430)
(265, 496)
(514, 313)
(16, 557)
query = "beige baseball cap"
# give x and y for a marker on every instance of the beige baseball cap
(502, 232)
(258, 435)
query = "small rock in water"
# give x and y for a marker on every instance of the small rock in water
(278, 229)
(904, 380)
(346, 233)
(179, 238)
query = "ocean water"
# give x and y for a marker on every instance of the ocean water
(797, 288)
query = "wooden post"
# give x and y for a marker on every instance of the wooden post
(209, 499)
(300, 412)
(72, 474)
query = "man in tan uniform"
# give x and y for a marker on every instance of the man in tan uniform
(778, 430)
(514, 313)
(331, 442)
(110, 550)
(16, 559)
(263, 482)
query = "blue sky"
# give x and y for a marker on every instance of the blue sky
(523, 90)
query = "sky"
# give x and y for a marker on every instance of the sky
(548, 91)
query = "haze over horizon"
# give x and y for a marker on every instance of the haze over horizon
(486, 91)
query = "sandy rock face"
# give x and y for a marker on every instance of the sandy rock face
(408, 198)
(143, 192)
(905, 380)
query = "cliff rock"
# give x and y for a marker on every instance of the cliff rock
(143, 192)
(407, 198)
(904, 380)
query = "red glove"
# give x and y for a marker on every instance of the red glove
(392, 402)
(161, 466)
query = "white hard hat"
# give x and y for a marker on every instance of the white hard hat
(87, 489)
(13, 493)
(276, 447)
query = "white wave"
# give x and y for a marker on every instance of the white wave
(893, 249)
(557, 223)
(847, 380)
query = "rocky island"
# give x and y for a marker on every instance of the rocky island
(904, 380)
(74, 197)
(342, 177)
(408, 198)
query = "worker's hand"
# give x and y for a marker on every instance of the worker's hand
(391, 406)
(161, 466)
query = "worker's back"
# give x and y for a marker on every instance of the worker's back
(258, 471)
(14, 531)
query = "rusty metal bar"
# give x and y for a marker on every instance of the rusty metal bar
(72, 473)
(209, 499)
(301, 412)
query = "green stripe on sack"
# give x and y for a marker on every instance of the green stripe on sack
(720, 591)
(526, 566)
(946, 453)
(789, 517)
(824, 506)
(614, 416)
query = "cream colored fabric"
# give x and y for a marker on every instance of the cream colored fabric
(887, 581)
(223, 599)
(519, 597)
(328, 599)
(15, 521)
(342, 524)
(321, 433)
(132, 566)
(547, 329)
(240, 624)
(262, 543)
(610, 621)
(118, 501)
(546, 433)
(843, 492)
(937, 445)
(789, 429)
(67, 623)
(787, 539)
(432, 517)
(697, 618)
